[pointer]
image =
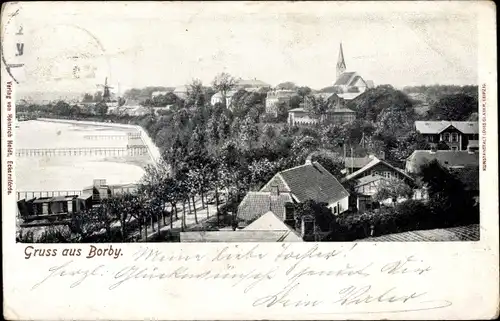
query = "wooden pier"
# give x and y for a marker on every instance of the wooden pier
(113, 137)
(83, 151)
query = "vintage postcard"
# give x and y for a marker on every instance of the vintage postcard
(249, 160)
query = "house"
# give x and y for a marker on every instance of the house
(275, 97)
(159, 93)
(349, 82)
(447, 158)
(310, 181)
(370, 178)
(217, 98)
(455, 134)
(100, 190)
(337, 114)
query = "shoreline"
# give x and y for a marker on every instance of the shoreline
(153, 150)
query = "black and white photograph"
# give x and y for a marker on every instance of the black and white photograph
(249, 160)
(245, 126)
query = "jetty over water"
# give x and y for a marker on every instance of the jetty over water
(135, 150)
(113, 137)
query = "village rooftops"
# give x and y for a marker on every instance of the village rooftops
(447, 158)
(308, 181)
(436, 127)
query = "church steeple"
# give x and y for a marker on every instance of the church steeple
(340, 62)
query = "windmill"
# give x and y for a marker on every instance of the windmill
(106, 95)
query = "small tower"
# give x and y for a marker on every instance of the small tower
(340, 63)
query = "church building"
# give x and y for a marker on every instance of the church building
(349, 84)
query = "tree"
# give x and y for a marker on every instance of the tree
(324, 221)
(87, 98)
(223, 83)
(249, 132)
(457, 107)
(393, 189)
(98, 97)
(195, 93)
(101, 109)
(447, 197)
(287, 85)
(317, 107)
(62, 108)
(304, 91)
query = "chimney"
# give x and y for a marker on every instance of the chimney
(309, 158)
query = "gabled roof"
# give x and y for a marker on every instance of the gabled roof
(447, 158)
(371, 164)
(357, 162)
(369, 179)
(349, 96)
(256, 204)
(310, 181)
(271, 222)
(436, 127)
(344, 79)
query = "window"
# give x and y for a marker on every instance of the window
(454, 137)
(446, 137)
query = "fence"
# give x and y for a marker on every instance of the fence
(32, 194)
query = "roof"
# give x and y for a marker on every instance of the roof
(181, 89)
(240, 236)
(324, 95)
(368, 179)
(310, 181)
(447, 158)
(340, 110)
(268, 222)
(349, 96)
(436, 127)
(473, 143)
(271, 222)
(297, 110)
(256, 204)
(357, 162)
(372, 163)
(344, 79)
(461, 233)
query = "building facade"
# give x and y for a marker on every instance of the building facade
(275, 97)
(455, 134)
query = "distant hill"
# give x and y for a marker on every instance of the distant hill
(38, 97)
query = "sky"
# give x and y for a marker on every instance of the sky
(169, 44)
